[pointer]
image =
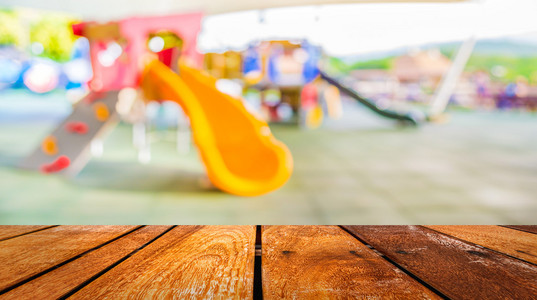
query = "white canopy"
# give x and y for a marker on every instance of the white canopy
(114, 9)
(349, 28)
(365, 28)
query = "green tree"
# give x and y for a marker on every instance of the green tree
(54, 33)
(11, 30)
(515, 66)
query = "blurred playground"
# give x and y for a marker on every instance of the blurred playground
(472, 170)
(162, 119)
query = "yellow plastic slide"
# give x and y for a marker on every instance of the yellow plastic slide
(240, 153)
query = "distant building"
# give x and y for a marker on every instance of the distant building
(422, 65)
(374, 82)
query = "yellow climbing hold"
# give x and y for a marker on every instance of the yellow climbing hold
(101, 112)
(314, 117)
(49, 145)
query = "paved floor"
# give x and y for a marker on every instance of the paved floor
(479, 168)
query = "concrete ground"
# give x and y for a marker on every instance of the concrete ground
(478, 168)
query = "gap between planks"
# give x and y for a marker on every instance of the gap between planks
(258, 293)
(471, 269)
(85, 283)
(419, 280)
(482, 246)
(525, 228)
(66, 261)
(28, 232)
(257, 265)
(258, 279)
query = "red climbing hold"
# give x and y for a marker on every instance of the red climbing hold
(76, 127)
(59, 164)
(94, 96)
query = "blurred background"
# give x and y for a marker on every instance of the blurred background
(464, 71)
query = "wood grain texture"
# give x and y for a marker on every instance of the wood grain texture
(528, 228)
(188, 262)
(457, 269)
(24, 256)
(62, 280)
(516, 243)
(9, 231)
(320, 262)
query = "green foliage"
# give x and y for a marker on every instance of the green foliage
(382, 64)
(54, 33)
(11, 30)
(515, 66)
(448, 51)
(171, 40)
(337, 65)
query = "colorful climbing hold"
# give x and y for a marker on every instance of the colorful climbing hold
(76, 127)
(314, 117)
(101, 112)
(94, 96)
(309, 96)
(59, 164)
(333, 102)
(49, 146)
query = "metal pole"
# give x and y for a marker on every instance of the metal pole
(449, 81)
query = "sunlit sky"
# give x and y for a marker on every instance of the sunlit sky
(343, 29)
(363, 28)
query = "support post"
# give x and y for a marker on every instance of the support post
(449, 81)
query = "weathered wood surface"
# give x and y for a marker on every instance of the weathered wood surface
(457, 269)
(316, 262)
(186, 262)
(24, 256)
(528, 228)
(94, 262)
(10, 231)
(516, 243)
(59, 282)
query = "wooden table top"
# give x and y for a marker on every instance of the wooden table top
(244, 262)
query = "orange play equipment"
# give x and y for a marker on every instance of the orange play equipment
(240, 153)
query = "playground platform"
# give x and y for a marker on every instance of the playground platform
(268, 262)
(478, 168)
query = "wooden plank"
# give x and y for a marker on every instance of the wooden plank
(528, 228)
(28, 255)
(186, 262)
(318, 262)
(457, 269)
(62, 280)
(516, 243)
(9, 231)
